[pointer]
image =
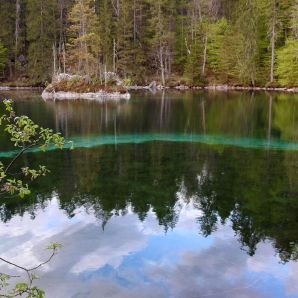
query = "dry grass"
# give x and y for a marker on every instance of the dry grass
(80, 86)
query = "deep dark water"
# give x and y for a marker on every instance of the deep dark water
(163, 218)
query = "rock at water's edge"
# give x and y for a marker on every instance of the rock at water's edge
(99, 96)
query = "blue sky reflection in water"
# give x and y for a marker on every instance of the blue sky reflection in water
(137, 259)
(163, 218)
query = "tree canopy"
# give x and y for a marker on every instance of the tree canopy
(248, 42)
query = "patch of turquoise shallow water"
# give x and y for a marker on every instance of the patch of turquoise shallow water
(94, 141)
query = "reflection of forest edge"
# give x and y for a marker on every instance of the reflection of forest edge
(254, 190)
(252, 115)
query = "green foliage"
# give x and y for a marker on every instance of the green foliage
(83, 47)
(218, 58)
(247, 50)
(24, 134)
(3, 56)
(41, 34)
(294, 19)
(148, 39)
(192, 70)
(7, 25)
(127, 82)
(105, 32)
(25, 288)
(287, 63)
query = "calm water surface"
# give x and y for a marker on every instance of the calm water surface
(167, 195)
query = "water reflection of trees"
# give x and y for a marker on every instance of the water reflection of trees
(229, 113)
(253, 190)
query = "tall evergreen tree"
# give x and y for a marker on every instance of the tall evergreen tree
(42, 36)
(83, 46)
(162, 36)
(124, 38)
(3, 56)
(7, 27)
(208, 41)
(107, 40)
(248, 53)
(287, 56)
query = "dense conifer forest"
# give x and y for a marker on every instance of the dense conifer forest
(197, 42)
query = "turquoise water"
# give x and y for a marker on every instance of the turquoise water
(168, 195)
(101, 140)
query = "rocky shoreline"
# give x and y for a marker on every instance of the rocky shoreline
(240, 88)
(98, 96)
(217, 87)
(8, 88)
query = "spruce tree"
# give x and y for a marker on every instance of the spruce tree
(218, 41)
(83, 47)
(247, 44)
(124, 38)
(287, 56)
(3, 56)
(7, 27)
(106, 29)
(41, 25)
(287, 63)
(162, 27)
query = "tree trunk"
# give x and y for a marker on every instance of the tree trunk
(114, 55)
(17, 29)
(10, 69)
(205, 55)
(61, 32)
(64, 58)
(134, 22)
(273, 37)
(54, 62)
(162, 70)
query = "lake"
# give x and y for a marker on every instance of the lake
(176, 194)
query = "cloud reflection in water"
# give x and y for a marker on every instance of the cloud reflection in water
(130, 258)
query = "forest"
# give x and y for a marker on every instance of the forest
(194, 42)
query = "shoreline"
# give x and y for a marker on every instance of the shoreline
(8, 88)
(218, 88)
(99, 96)
(179, 87)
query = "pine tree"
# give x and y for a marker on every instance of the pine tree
(287, 63)
(83, 48)
(181, 35)
(216, 47)
(3, 56)
(162, 36)
(209, 41)
(287, 56)
(106, 32)
(294, 19)
(195, 52)
(42, 35)
(7, 27)
(248, 52)
(124, 38)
